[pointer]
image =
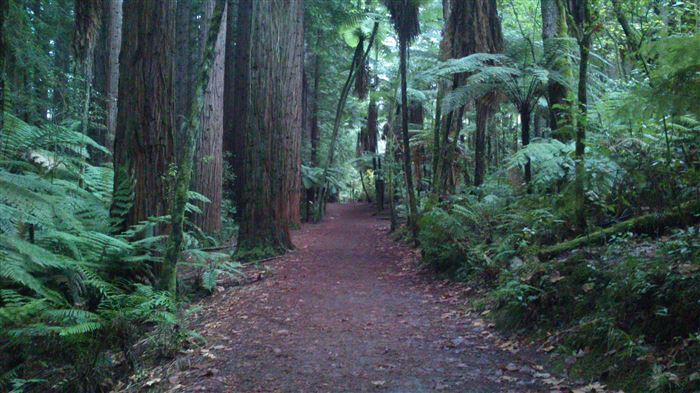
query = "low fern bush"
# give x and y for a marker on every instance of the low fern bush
(75, 305)
(631, 310)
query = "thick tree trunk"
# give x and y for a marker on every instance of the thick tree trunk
(185, 62)
(59, 98)
(237, 100)
(271, 127)
(143, 148)
(88, 18)
(107, 74)
(192, 133)
(230, 139)
(208, 160)
(555, 36)
(313, 119)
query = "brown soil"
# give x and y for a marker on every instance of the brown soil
(347, 312)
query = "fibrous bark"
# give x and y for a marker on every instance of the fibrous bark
(143, 148)
(107, 73)
(192, 134)
(208, 171)
(270, 104)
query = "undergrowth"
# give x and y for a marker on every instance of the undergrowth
(77, 306)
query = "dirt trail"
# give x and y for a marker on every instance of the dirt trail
(346, 312)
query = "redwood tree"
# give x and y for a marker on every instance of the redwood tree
(143, 146)
(269, 104)
(107, 71)
(208, 173)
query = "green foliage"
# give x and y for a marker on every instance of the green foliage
(67, 285)
(627, 304)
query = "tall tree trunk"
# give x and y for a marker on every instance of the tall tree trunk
(143, 148)
(88, 17)
(61, 63)
(314, 130)
(580, 14)
(525, 120)
(3, 49)
(231, 141)
(313, 120)
(358, 59)
(271, 127)
(237, 111)
(208, 160)
(296, 73)
(581, 123)
(107, 74)
(192, 134)
(483, 113)
(185, 61)
(555, 36)
(410, 190)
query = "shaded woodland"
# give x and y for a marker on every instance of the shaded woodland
(545, 152)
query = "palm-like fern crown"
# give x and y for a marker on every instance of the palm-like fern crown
(404, 16)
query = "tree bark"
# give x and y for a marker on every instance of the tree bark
(555, 34)
(525, 117)
(313, 120)
(579, 13)
(88, 18)
(3, 49)
(270, 97)
(237, 102)
(209, 166)
(230, 139)
(107, 74)
(185, 61)
(410, 190)
(472, 27)
(192, 133)
(143, 148)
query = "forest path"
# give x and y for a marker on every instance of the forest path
(347, 312)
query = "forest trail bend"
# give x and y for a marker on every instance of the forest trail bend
(346, 312)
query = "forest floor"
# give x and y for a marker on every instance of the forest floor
(348, 310)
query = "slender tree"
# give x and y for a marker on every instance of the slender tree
(404, 15)
(269, 102)
(358, 58)
(581, 20)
